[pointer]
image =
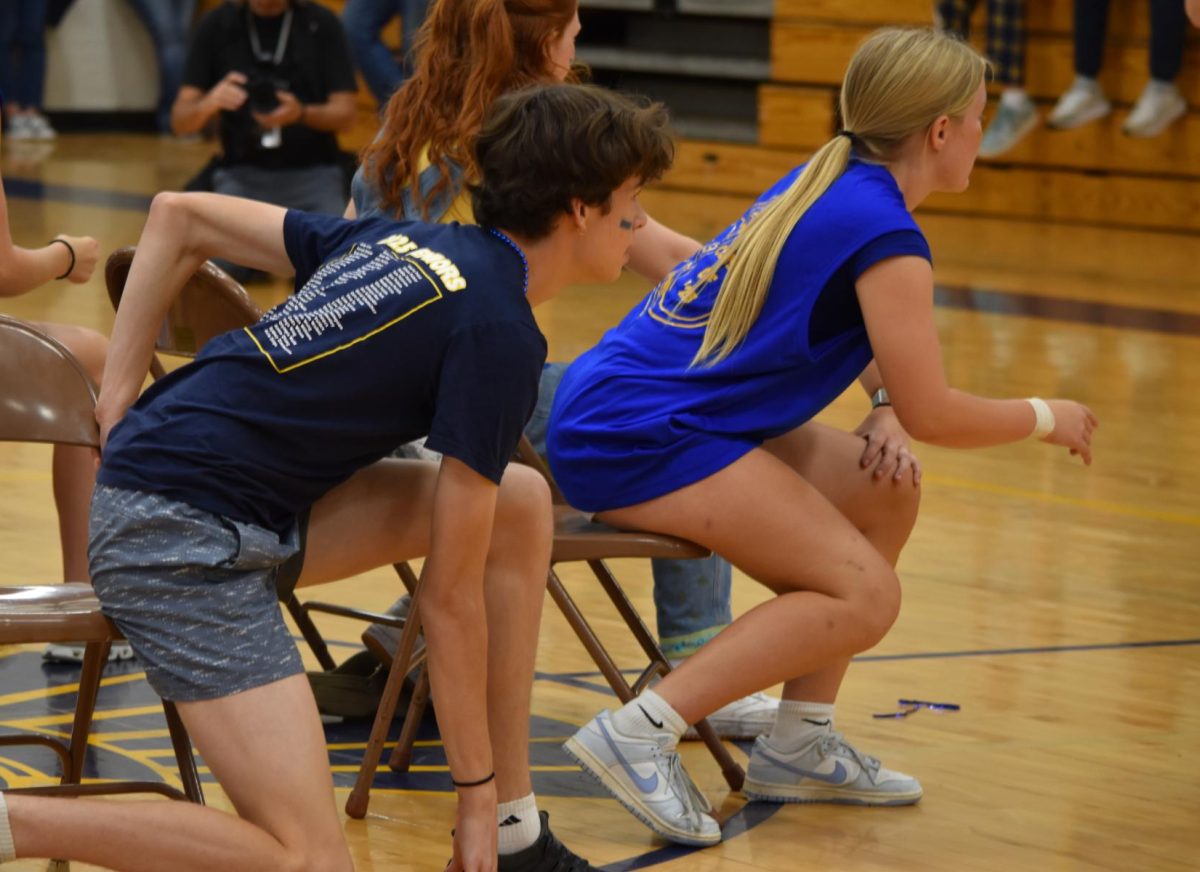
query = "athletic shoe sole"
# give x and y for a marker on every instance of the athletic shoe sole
(599, 772)
(761, 791)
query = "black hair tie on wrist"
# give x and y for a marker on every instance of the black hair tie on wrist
(70, 249)
(478, 783)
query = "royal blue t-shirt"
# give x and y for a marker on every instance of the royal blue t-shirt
(397, 330)
(634, 420)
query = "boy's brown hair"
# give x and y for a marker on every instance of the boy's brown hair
(542, 147)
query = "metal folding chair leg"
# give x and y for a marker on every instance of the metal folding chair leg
(733, 773)
(360, 796)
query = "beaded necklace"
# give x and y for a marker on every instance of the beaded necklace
(520, 254)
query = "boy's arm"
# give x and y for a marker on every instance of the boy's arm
(182, 231)
(455, 622)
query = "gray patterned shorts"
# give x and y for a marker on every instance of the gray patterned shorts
(193, 592)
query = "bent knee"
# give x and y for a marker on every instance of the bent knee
(318, 859)
(524, 501)
(877, 605)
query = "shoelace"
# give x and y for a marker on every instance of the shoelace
(834, 743)
(690, 797)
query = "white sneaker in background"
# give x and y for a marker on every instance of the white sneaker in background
(39, 127)
(1083, 103)
(1156, 109)
(743, 719)
(1013, 120)
(18, 128)
(72, 652)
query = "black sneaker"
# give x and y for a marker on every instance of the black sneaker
(547, 854)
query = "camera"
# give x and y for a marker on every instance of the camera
(261, 93)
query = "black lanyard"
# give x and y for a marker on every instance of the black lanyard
(280, 44)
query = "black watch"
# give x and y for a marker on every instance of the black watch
(880, 398)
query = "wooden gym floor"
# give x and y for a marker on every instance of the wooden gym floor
(1057, 605)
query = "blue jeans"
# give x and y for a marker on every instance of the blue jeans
(363, 20)
(23, 51)
(169, 23)
(691, 597)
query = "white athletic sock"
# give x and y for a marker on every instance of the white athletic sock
(8, 853)
(650, 716)
(519, 823)
(799, 723)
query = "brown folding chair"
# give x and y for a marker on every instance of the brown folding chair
(48, 397)
(577, 538)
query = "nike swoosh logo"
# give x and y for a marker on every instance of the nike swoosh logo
(815, 723)
(837, 776)
(657, 724)
(646, 784)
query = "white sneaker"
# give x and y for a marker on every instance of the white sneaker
(1157, 108)
(825, 770)
(72, 652)
(647, 779)
(1083, 103)
(743, 719)
(18, 128)
(1008, 126)
(39, 127)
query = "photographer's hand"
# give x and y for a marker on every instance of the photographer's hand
(228, 94)
(289, 111)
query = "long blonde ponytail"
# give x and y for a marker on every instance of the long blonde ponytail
(898, 83)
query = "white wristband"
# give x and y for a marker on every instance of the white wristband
(1045, 418)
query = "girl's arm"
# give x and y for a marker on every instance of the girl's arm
(896, 296)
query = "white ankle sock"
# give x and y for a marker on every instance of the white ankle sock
(7, 852)
(520, 824)
(650, 716)
(799, 723)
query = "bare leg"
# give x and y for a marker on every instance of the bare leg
(266, 747)
(882, 510)
(838, 594)
(74, 468)
(382, 515)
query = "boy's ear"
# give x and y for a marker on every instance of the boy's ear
(578, 215)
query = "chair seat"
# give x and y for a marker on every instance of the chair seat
(578, 537)
(53, 613)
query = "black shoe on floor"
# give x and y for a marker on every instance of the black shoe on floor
(547, 854)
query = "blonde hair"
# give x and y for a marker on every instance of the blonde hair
(898, 83)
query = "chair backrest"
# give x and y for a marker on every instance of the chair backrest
(210, 303)
(45, 394)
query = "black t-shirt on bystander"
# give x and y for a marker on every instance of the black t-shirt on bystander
(315, 62)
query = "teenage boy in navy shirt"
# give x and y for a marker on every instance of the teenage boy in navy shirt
(397, 330)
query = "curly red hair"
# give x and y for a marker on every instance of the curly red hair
(468, 53)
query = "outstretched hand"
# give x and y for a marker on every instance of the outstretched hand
(887, 448)
(1074, 424)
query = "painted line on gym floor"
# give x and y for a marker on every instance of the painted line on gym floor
(1129, 510)
(34, 189)
(578, 679)
(740, 822)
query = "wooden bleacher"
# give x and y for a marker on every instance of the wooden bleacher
(1094, 176)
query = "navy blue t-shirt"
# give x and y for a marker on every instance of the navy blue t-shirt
(397, 330)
